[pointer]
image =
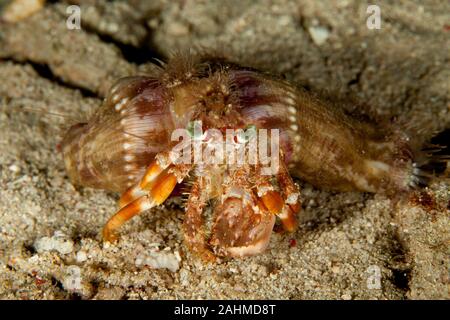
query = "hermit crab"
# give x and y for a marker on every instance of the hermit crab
(128, 146)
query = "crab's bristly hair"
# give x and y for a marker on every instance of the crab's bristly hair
(158, 63)
(181, 67)
(185, 188)
(432, 161)
(184, 199)
(420, 178)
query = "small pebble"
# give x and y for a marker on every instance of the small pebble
(14, 168)
(319, 34)
(346, 297)
(159, 260)
(58, 243)
(18, 10)
(81, 256)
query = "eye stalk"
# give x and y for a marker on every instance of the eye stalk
(246, 135)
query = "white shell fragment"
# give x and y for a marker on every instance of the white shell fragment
(58, 242)
(159, 259)
(319, 34)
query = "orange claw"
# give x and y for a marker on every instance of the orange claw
(152, 172)
(163, 187)
(145, 184)
(130, 195)
(125, 214)
(160, 191)
(273, 201)
(295, 207)
(288, 219)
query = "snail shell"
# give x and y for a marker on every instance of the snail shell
(321, 144)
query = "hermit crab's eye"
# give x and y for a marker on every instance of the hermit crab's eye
(244, 136)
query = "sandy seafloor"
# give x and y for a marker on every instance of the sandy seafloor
(50, 246)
